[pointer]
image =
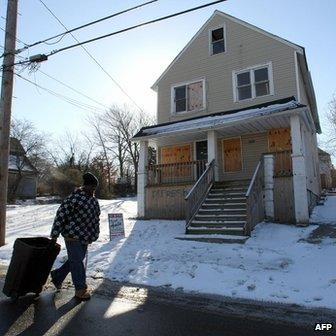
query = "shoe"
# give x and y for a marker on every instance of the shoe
(56, 285)
(82, 294)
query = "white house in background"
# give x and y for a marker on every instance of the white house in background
(235, 134)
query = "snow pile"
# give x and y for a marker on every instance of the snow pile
(275, 264)
(325, 214)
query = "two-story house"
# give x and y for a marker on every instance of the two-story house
(235, 134)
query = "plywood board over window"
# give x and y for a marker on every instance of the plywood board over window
(279, 143)
(176, 154)
(279, 139)
(232, 154)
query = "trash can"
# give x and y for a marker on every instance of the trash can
(30, 265)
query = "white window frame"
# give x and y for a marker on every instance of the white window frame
(210, 39)
(251, 69)
(172, 96)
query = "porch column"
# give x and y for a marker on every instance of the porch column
(212, 151)
(269, 186)
(142, 178)
(299, 173)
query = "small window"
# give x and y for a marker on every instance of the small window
(189, 97)
(253, 83)
(217, 41)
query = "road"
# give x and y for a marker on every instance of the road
(61, 314)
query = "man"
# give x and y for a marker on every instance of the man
(77, 219)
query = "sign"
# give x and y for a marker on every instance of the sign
(116, 225)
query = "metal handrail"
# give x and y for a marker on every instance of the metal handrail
(197, 193)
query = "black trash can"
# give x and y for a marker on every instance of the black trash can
(31, 263)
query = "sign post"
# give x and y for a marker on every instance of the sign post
(116, 225)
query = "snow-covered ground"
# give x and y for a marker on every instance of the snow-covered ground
(275, 264)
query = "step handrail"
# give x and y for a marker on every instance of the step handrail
(255, 199)
(198, 192)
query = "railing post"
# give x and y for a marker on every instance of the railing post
(269, 186)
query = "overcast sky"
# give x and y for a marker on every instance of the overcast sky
(135, 59)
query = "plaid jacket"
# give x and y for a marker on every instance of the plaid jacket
(77, 218)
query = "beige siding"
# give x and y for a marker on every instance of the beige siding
(253, 146)
(245, 48)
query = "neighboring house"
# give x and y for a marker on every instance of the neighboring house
(236, 133)
(326, 168)
(22, 175)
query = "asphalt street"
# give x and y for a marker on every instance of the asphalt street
(62, 314)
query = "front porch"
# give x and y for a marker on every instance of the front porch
(266, 150)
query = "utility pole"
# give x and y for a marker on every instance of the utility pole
(6, 108)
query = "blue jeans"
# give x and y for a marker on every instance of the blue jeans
(76, 254)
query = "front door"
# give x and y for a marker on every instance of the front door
(201, 155)
(202, 150)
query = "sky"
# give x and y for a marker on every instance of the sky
(135, 59)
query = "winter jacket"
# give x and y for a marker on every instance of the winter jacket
(77, 218)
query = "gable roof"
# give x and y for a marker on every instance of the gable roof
(295, 46)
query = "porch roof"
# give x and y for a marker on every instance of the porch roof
(217, 120)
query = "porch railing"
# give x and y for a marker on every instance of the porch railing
(283, 163)
(175, 173)
(196, 195)
(255, 209)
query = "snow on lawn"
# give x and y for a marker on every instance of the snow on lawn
(275, 264)
(325, 214)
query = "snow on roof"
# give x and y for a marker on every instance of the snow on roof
(18, 162)
(208, 122)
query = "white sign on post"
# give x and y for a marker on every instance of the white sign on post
(116, 225)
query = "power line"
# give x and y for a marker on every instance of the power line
(68, 31)
(134, 27)
(73, 89)
(93, 58)
(17, 39)
(69, 100)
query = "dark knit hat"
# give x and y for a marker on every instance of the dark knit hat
(90, 180)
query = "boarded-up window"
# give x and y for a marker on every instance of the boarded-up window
(189, 97)
(279, 143)
(176, 154)
(232, 155)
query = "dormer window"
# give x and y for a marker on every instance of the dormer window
(217, 39)
(188, 97)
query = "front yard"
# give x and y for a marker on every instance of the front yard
(279, 263)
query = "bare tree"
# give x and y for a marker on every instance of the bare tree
(29, 149)
(330, 142)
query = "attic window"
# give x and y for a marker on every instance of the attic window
(217, 41)
(188, 97)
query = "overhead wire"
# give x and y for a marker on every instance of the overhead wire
(68, 31)
(93, 58)
(69, 100)
(133, 27)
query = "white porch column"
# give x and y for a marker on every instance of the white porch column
(269, 186)
(299, 173)
(212, 151)
(142, 178)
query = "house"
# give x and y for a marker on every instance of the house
(326, 168)
(22, 175)
(235, 134)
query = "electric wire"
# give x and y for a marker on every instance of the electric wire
(68, 31)
(67, 99)
(54, 52)
(94, 59)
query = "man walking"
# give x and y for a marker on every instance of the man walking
(77, 220)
